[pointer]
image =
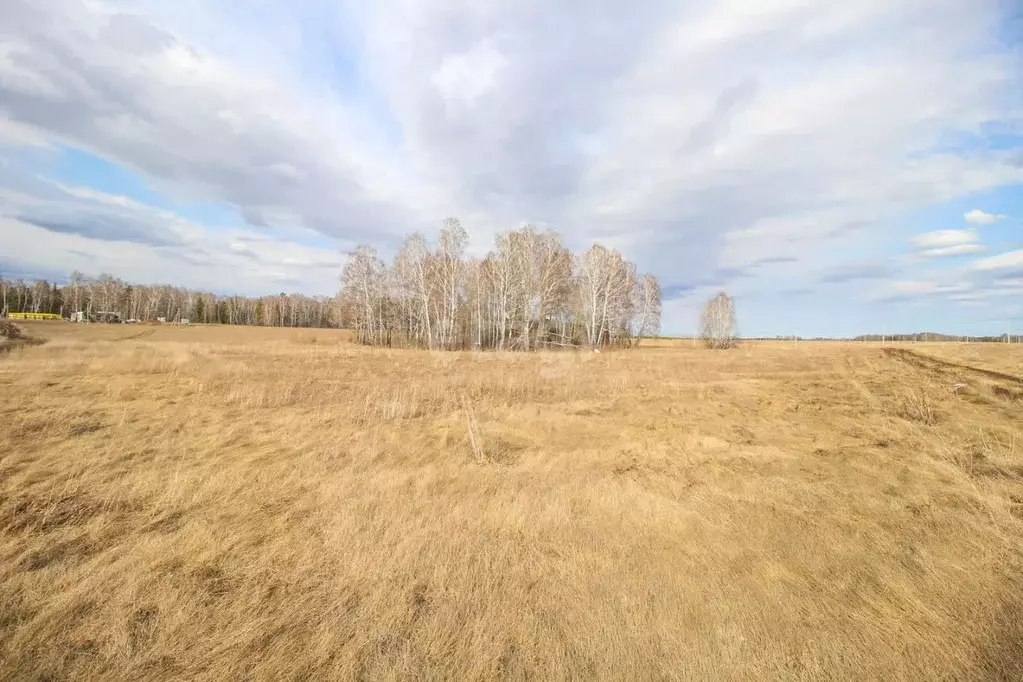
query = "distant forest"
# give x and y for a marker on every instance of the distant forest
(918, 336)
(931, 336)
(142, 302)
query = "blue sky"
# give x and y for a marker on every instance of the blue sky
(838, 167)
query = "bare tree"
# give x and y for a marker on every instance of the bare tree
(414, 284)
(605, 283)
(23, 293)
(593, 274)
(362, 281)
(541, 270)
(450, 247)
(717, 322)
(647, 319)
(41, 296)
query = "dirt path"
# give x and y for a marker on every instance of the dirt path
(148, 332)
(930, 362)
(1004, 385)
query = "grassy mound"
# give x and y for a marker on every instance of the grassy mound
(10, 331)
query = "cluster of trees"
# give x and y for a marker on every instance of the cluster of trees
(149, 302)
(529, 292)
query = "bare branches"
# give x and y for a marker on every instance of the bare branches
(363, 283)
(717, 322)
(605, 287)
(647, 304)
(527, 293)
(450, 247)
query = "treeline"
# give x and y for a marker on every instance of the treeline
(529, 292)
(932, 336)
(106, 293)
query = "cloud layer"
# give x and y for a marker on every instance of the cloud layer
(760, 145)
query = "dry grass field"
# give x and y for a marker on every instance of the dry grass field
(210, 503)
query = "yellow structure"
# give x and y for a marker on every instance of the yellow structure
(33, 316)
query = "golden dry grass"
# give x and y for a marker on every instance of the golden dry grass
(224, 503)
(999, 357)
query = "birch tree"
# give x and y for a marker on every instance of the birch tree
(362, 280)
(647, 305)
(450, 247)
(541, 274)
(501, 280)
(605, 283)
(413, 276)
(717, 321)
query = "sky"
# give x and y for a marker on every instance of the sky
(839, 168)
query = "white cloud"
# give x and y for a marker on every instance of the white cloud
(943, 238)
(914, 288)
(463, 78)
(948, 251)
(607, 129)
(855, 271)
(700, 138)
(946, 243)
(60, 228)
(986, 294)
(995, 277)
(19, 135)
(198, 125)
(208, 265)
(1010, 260)
(978, 217)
